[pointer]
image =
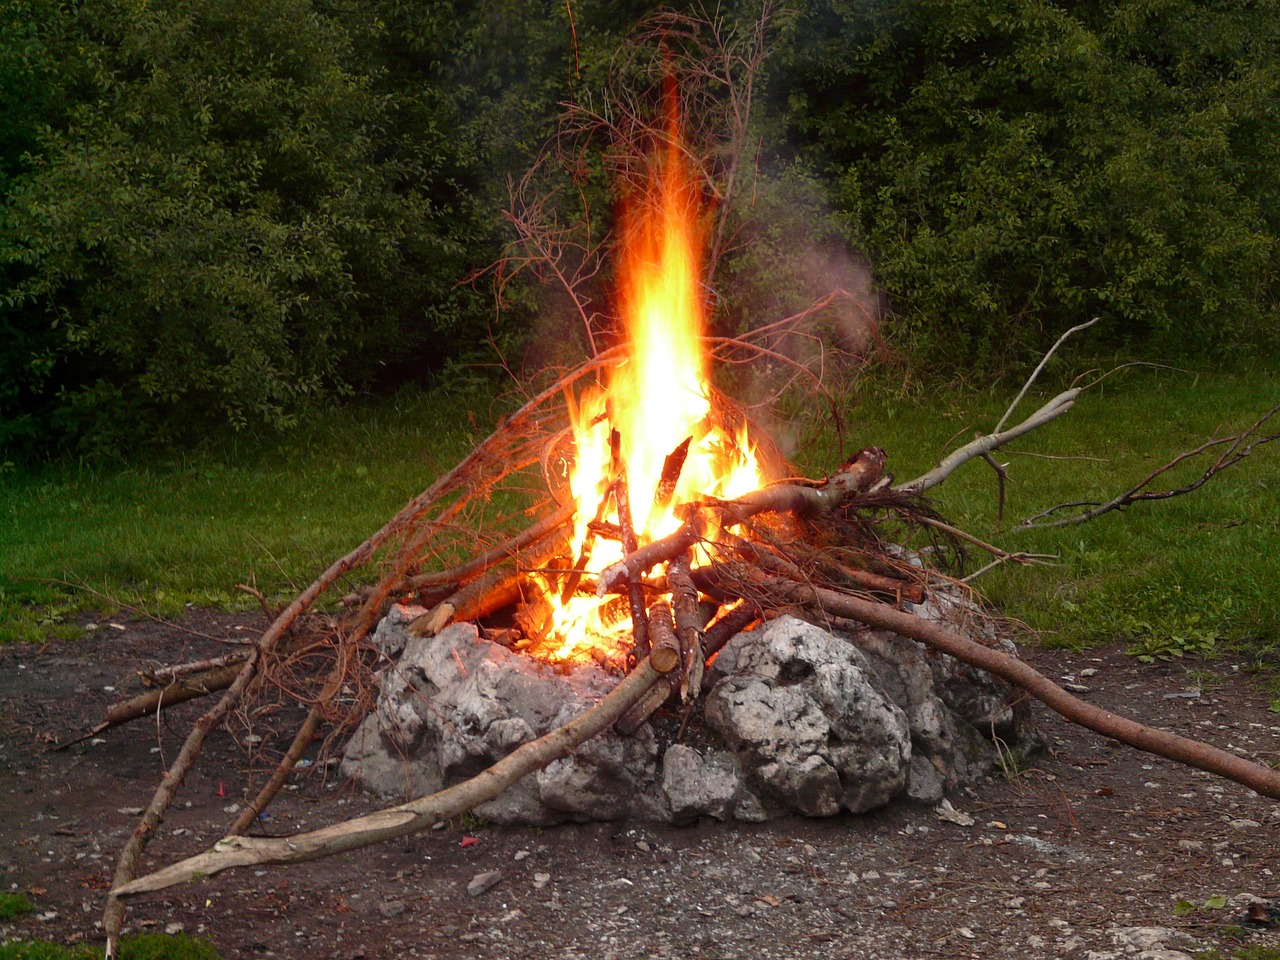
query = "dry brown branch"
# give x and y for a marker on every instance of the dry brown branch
(1002, 556)
(689, 625)
(479, 564)
(178, 691)
(1192, 753)
(728, 626)
(512, 446)
(1237, 451)
(162, 676)
(407, 818)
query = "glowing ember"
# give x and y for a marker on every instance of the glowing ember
(655, 400)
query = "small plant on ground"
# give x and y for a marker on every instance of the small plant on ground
(14, 905)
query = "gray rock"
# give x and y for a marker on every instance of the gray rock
(453, 705)
(801, 709)
(812, 722)
(391, 908)
(698, 785)
(483, 882)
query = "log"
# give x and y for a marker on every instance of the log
(665, 654)
(672, 467)
(179, 691)
(1192, 753)
(728, 626)
(419, 814)
(689, 624)
(626, 524)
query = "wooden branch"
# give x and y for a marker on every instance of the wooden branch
(1002, 556)
(626, 524)
(163, 676)
(463, 572)
(407, 818)
(1040, 366)
(672, 467)
(728, 626)
(179, 691)
(985, 444)
(689, 625)
(662, 550)
(1236, 452)
(1192, 753)
(859, 475)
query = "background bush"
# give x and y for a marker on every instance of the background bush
(1016, 166)
(220, 211)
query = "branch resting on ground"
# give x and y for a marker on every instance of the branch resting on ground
(409, 817)
(1193, 753)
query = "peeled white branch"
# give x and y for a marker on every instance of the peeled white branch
(409, 817)
(984, 445)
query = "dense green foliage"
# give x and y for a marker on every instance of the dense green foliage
(226, 211)
(1017, 166)
(223, 211)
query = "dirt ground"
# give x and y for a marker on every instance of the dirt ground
(1084, 851)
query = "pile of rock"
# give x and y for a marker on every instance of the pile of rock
(795, 719)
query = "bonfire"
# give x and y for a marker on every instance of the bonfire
(666, 525)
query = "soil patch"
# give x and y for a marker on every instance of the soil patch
(1070, 854)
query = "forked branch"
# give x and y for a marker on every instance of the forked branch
(1239, 446)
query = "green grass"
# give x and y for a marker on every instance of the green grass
(14, 905)
(143, 946)
(1181, 576)
(160, 535)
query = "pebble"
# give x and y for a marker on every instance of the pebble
(393, 908)
(522, 855)
(173, 928)
(540, 880)
(483, 881)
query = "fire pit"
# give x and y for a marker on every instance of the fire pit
(678, 541)
(795, 719)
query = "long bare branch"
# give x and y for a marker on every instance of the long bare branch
(983, 445)
(406, 818)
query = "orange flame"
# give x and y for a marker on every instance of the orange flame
(655, 399)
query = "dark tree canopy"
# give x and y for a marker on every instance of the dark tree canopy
(222, 211)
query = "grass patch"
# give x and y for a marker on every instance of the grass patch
(1174, 578)
(1170, 578)
(142, 946)
(160, 535)
(14, 905)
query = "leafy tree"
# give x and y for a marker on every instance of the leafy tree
(1016, 166)
(222, 220)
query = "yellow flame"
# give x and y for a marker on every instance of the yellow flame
(656, 398)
